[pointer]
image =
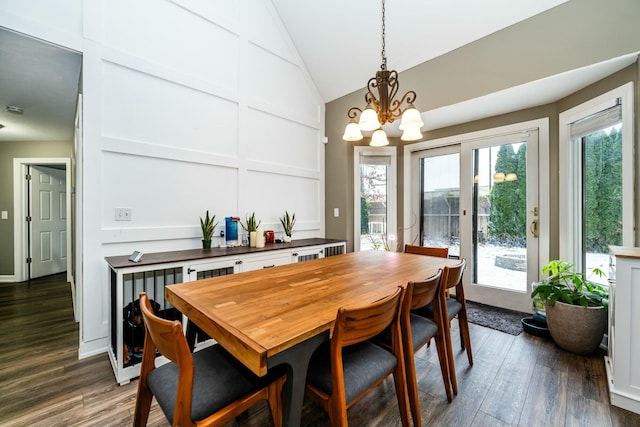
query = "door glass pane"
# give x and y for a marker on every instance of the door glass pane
(499, 216)
(602, 190)
(440, 226)
(373, 203)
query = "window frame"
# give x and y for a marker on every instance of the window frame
(392, 192)
(570, 172)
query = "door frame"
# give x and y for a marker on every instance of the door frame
(542, 125)
(20, 202)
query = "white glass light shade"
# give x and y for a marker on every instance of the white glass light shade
(511, 177)
(379, 139)
(411, 134)
(411, 118)
(369, 119)
(352, 132)
(498, 177)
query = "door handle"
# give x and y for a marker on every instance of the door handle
(534, 228)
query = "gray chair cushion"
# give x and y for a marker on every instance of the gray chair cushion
(364, 364)
(219, 379)
(453, 307)
(421, 330)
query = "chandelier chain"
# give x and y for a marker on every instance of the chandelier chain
(384, 55)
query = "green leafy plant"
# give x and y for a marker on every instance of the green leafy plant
(563, 284)
(250, 224)
(288, 221)
(208, 224)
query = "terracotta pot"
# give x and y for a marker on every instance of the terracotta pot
(575, 328)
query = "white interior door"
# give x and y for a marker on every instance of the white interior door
(48, 221)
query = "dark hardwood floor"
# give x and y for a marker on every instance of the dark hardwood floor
(515, 381)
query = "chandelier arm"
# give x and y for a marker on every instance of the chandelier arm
(408, 97)
(353, 112)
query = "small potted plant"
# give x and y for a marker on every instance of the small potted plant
(288, 221)
(251, 226)
(207, 224)
(576, 309)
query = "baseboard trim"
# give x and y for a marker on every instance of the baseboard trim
(7, 278)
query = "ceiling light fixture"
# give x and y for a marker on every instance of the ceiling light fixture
(383, 108)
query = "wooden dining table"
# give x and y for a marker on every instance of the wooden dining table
(280, 315)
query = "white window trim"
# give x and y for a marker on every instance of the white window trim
(392, 204)
(570, 212)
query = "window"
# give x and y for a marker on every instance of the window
(375, 198)
(596, 180)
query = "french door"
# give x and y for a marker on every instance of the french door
(479, 198)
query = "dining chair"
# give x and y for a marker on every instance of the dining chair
(348, 366)
(207, 388)
(417, 331)
(450, 308)
(427, 250)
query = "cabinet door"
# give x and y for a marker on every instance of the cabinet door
(307, 254)
(216, 268)
(266, 260)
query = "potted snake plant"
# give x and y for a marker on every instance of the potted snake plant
(288, 221)
(207, 224)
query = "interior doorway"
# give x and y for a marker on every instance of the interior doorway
(23, 211)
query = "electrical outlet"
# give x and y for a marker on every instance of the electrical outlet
(123, 214)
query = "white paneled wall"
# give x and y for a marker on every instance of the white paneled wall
(188, 105)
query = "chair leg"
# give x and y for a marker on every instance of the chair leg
(450, 357)
(143, 405)
(412, 388)
(338, 413)
(465, 337)
(274, 399)
(444, 364)
(399, 378)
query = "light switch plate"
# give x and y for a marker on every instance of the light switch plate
(5, 215)
(336, 212)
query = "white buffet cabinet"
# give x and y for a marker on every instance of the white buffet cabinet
(623, 358)
(157, 270)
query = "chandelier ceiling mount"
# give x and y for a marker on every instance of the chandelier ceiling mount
(384, 108)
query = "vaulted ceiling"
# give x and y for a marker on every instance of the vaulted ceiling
(339, 42)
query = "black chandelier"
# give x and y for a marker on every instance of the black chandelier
(384, 108)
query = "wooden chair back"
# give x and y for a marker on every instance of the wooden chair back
(452, 277)
(359, 324)
(426, 250)
(421, 294)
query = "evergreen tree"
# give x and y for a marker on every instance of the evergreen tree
(603, 190)
(507, 217)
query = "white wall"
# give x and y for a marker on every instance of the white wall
(187, 106)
